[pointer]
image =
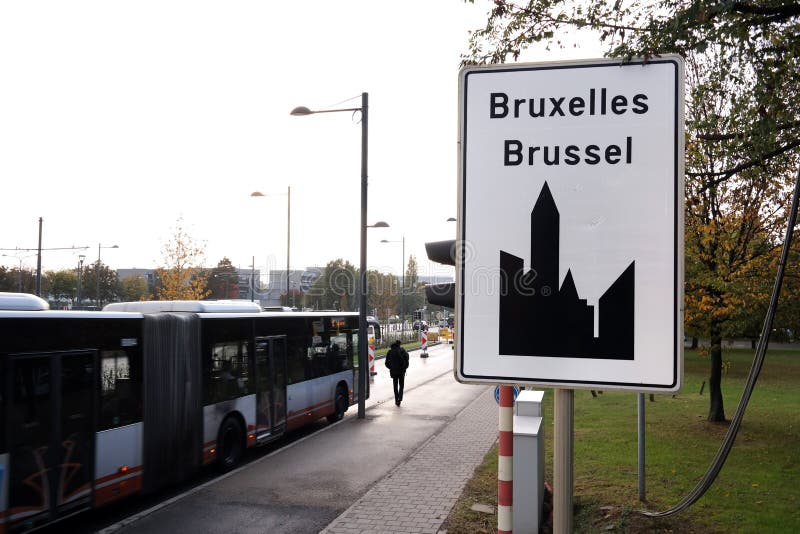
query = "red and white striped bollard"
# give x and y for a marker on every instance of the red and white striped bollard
(372, 371)
(505, 461)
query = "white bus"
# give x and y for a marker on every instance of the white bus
(97, 406)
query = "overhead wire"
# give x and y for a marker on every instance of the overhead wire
(758, 361)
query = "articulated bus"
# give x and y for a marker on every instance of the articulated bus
(100, 405)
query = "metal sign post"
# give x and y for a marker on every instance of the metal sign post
(640, 434)
(562, 460)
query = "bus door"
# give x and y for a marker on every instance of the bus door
(51, 434)
(270, 356)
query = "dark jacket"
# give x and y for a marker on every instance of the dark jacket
(397, 361)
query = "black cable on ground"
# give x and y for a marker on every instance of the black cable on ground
(758, 361)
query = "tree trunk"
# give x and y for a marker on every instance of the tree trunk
(694, 342)
(716, 411)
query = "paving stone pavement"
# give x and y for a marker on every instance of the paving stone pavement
(417, 496)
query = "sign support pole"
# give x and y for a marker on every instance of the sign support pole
(640, 412)
(562, 460)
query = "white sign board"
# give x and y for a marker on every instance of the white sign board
(571, 225)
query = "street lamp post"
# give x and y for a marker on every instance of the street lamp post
(288, 239)
(80, 274)
(97, 273)
(362, 306)
(39, 262)
(402, 286)
(288, 234)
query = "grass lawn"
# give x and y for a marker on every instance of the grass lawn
(758, 489)
(381, 353)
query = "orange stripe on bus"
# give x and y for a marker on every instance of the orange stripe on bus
(112, 476)
(303, 411)
(113, 492)
(300, 418)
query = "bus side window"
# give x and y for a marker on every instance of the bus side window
(230, 370)
(120, 394)
(339, 355)
(318, 356)
(296, 359)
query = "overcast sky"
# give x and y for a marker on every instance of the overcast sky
(119, 118)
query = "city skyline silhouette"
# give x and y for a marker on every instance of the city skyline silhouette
(539, 318)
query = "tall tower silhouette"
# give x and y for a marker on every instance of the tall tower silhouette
(545, 222)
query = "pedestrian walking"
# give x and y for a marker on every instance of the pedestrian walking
(397, 363)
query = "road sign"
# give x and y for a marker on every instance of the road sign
(570, 268)
(497, 393)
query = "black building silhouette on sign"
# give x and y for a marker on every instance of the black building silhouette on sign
(537, 318)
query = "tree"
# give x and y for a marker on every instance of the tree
(733, 225)
(17, 280)
(182, 277)
(223, 281)
(382, 293)
(788, 313)
(133, 288)
(60, 286)
(335, 288)
(108, 283)
(415, 296)
(747, 320)
(7, 282)
(742, 124)
(412, 277)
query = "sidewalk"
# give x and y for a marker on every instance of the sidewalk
(400, 469)
(417, 495)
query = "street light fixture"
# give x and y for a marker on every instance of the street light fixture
(402, 286)
(80, 274)
(97, 274)
(288, 234)
(362, 307)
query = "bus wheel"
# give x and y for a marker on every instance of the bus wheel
(339, 405)
(230, 443)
